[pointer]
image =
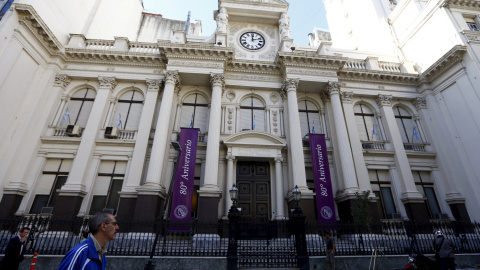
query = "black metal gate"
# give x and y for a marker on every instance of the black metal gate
(265, 245)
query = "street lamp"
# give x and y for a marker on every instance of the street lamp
(234, 195)
(296, 195)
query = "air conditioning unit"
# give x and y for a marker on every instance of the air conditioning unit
(111, 132)
(46, 211)
(109, 210)
(394, 216)
(73, 130)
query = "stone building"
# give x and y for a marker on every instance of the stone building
(93, 92)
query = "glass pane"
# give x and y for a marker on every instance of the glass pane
(84, 114)
(133, 118)
(259, 120)
(302, 105)
(247, 102)
(39, 202)
(245, 119)
(101, 185)
(46, 183)
(61, 180)
(120, 109)
(383, 175)
(114, 197)
(311, 106)
(380, 209)
(362, 132)
(388, 200)
(107, 166)
(201, 99)
(52, 165)
(314, 119)
(98, 203)
(257, 102)
(73, 108)
(66, 165)
(190, 99)
(432, 201)
(403, 131)
(412, 131)
(303, 123)
(201, 117)
(80, 93)
(187, 114)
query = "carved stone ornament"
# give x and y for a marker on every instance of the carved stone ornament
(274, 98)
(222, 21)
(172, 76)
(230, 118)
(231, 95)
(384, 100)
(217, 79)
(108, 82)
(346, 97)
(154, 85)
(275, 121)
(333, 88)
(62, 80)
(290, 84)
(420, 103)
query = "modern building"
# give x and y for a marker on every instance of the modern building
(93, 92)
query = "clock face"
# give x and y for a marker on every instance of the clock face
(252, 41)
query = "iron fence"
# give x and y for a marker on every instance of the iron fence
(276, 238)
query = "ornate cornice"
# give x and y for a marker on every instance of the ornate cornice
(384, 100)
(379, 76)
(420, 103)
(256, 67)
(196, 52)
(32, 21)
(62, 80)
(451, 58)
(107, 82)
(463, 4)
(309, 60)
(153, 85)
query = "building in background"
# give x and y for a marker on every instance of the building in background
(92, 94)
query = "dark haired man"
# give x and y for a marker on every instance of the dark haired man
(90, 254)
(330, 250)
(15, 250)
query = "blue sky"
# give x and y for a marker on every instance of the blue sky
(304, 14)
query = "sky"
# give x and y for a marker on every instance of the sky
(304, 15)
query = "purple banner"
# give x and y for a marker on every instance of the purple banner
(323, 183)
(184, 176)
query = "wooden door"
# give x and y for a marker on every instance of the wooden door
(253, 183)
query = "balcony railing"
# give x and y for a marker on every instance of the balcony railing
(417, 147)
(371, 145)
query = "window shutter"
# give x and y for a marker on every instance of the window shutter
(106, 166)
(187, 112)
(201, 119)
(259, 120)
(303, 122)
(46, 183)
(245, 119)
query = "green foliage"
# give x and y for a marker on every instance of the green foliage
(361, 210)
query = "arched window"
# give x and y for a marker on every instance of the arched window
(406, 126)
(367, 127)
(128, 110)
(78, 108)
(309, 117)
(252, 114)
(195, 112)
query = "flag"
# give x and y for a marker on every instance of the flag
(119, 120)
(254, 122)
(191, 122)
(374, 132)
(67, 114)
(313, 127)
(415, 132)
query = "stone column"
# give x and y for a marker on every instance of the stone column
(128, 195)
(151, 195)
(344, 149)
(209, 192)
(445, 150)
(228, 186)
(295, 137)
(412, 199)
(72, 193)
(280, 195)
(356, 144)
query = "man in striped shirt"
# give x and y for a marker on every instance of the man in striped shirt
(90, 254)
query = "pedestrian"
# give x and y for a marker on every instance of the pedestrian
(15, 250)
(330, 250)
(444, 251)
(90, 254)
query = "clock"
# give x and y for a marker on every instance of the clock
(252, 41)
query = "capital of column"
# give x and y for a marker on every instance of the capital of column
(333, 88)
(107, 82)
(420, 103)
(278, 159)
(217, 79)
(153, 85)
(230, 157)
(290, 85)
(346, 97)
(62, 80)
(172, 76)
(384, 100)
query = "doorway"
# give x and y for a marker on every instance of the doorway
(253, 183)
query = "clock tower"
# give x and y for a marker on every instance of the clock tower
(257, 29)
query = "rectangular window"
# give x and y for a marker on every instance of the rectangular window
(424, 184)
(54, 176)
(472, 25)
(381, 187)
(108, 184)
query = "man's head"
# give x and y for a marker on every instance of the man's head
(24, 232)
(438, 234)
(103, 225)
(327, 234)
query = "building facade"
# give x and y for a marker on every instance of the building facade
(93, 93)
